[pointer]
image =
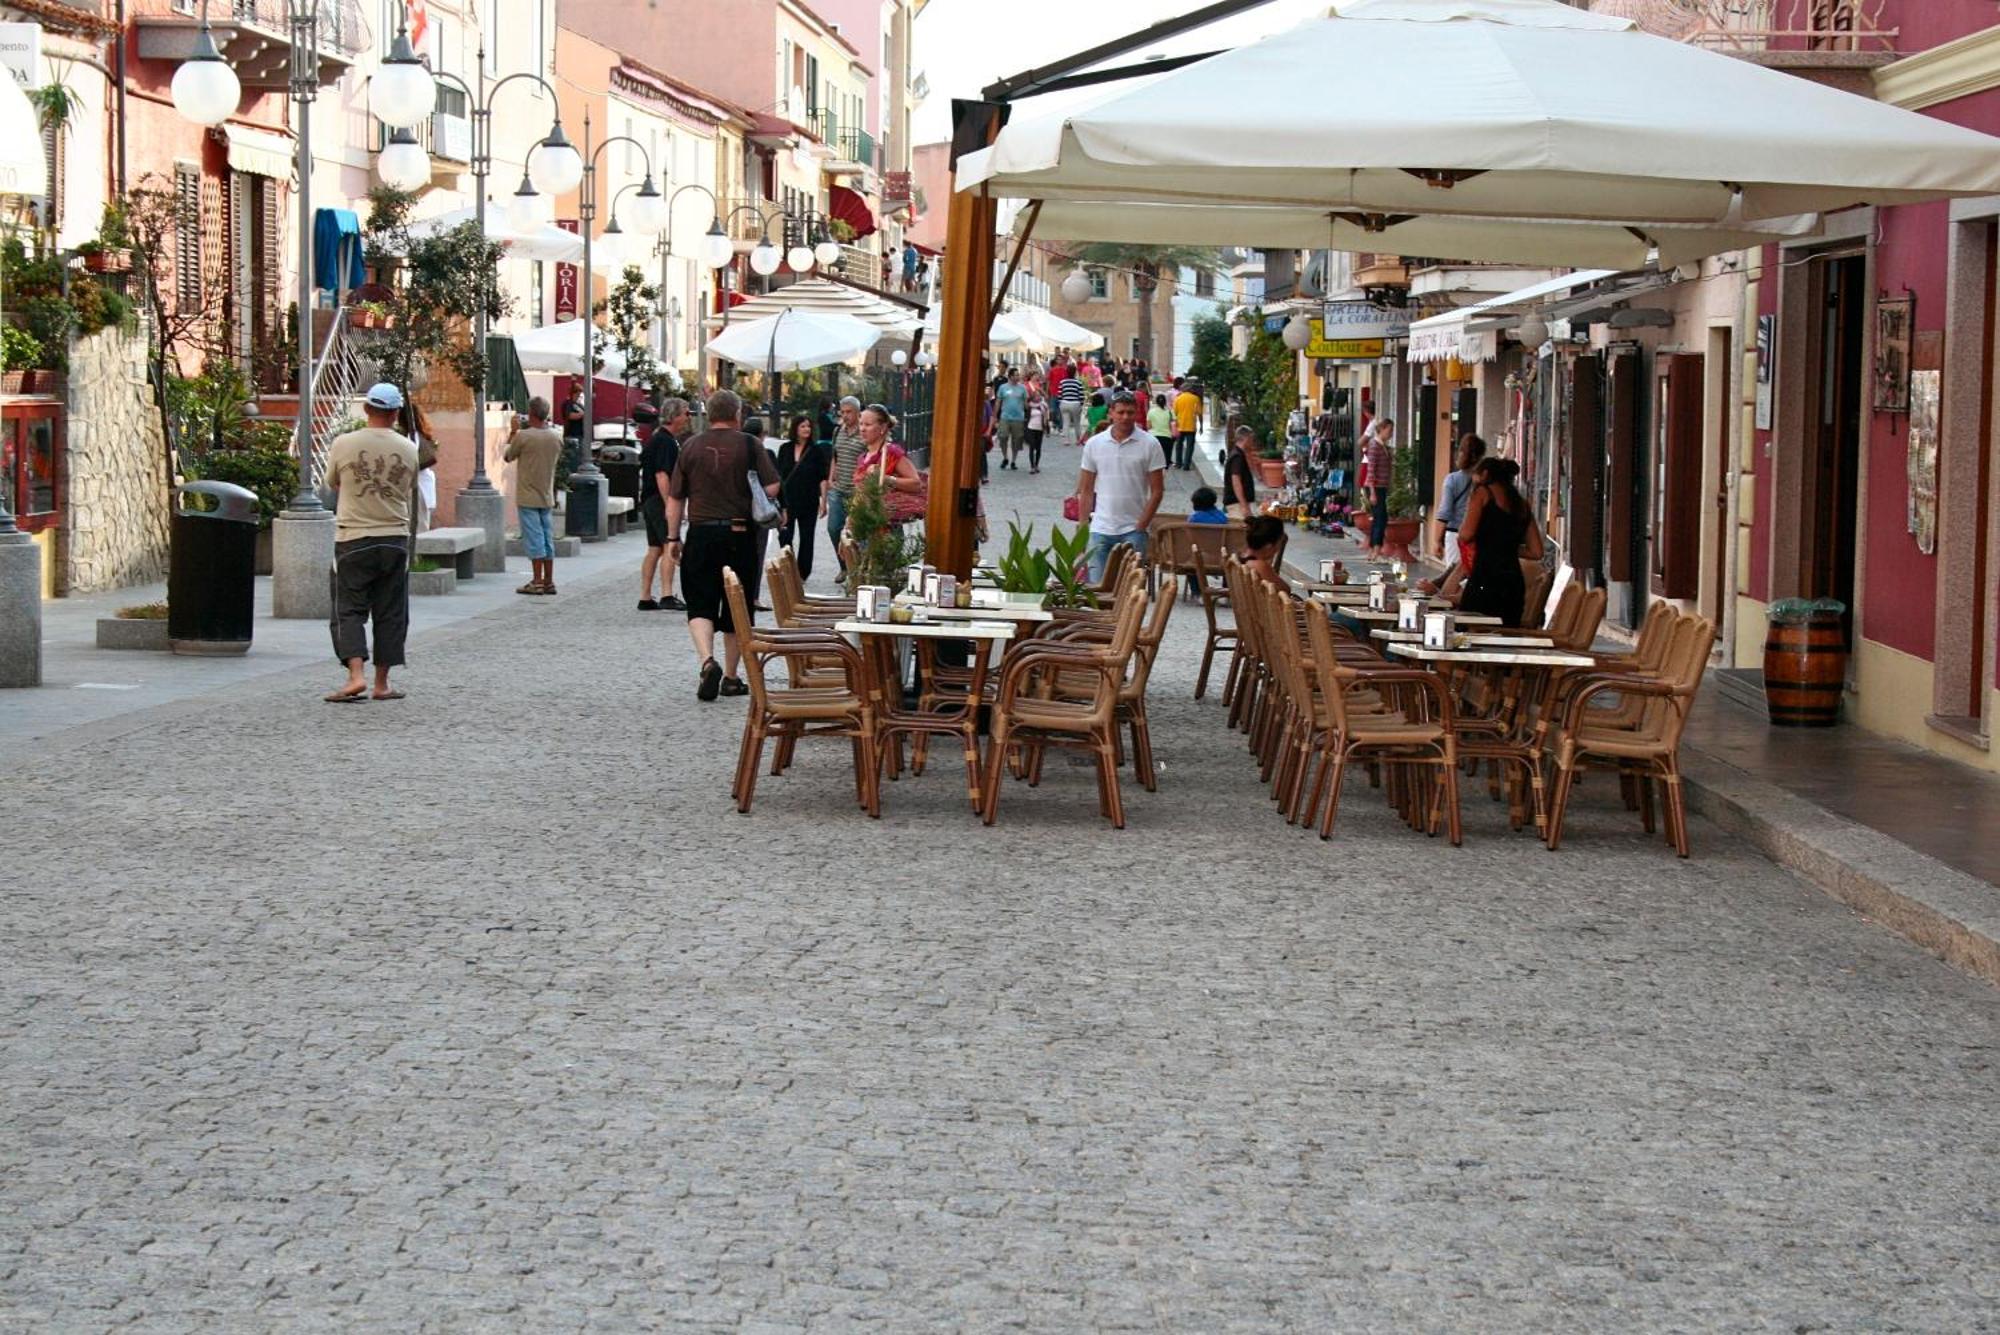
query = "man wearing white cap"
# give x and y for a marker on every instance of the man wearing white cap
(373, 473)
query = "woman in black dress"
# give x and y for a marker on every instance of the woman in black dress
(1500, 529)
(802, 464)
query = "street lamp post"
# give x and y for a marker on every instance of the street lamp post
(715, 250)
(555, 168)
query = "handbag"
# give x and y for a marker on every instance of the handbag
(764, 511)
(902, 507)
(1071, 511)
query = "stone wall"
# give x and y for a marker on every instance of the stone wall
(116, 506)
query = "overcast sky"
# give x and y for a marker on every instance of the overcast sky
(963, 45)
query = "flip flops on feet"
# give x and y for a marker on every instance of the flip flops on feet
(347, 696)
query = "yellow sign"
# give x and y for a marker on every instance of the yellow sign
(1341, 349)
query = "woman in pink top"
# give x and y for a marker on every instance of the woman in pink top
(883, 457)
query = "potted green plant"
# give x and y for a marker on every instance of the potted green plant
(110, 251)
(881, 549)
(1271, 464)
(1405, 504)
(1055, 571)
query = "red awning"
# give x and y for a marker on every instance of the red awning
(851, 209)
(923, 249)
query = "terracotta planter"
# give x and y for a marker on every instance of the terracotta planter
(1271, 471)
(108, 261)
(30, 382)
(1401, 534)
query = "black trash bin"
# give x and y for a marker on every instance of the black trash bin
(580, 512)
(621, 470)
(212, 573)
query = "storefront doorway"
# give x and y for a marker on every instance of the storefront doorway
(1829, 506)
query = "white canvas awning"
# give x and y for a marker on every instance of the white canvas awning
(259, 153)
(821, 295)
(550, 244)
(23, 169)
(557, 349)
(795, 341)
(1470, 332)
(1507, 109)
(1054, 331)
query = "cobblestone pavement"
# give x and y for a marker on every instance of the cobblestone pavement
(483, 1011)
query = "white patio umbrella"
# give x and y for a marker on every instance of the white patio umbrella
(794, 340)
(557, 349)
(1516, 109)
(1053, 330)
(1006, 334)
(23, 169)
(818, 294)
(1528, 241)
(551, 245)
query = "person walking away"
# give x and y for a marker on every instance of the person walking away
(1378, 460)
(802, 464)
(1071, 396)
(711, 489)
(1160, 419)
(1038, 423)
(1187, 421)
(533, 449)
(1500, 528)
(373, 475)
(657, 458)
(1239, 485)
(1455, 493)
(416, 424)
(838, 491)
(1010, 400)
(1122, 478)
(1059, 371)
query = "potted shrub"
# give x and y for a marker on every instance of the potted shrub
(1405, 504)
(1271, 465)
(110, 251)
(20, 361)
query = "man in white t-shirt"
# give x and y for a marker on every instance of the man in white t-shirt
(1123, 478)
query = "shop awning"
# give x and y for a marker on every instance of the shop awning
(1471, 333)
(850, 208)
(259, 153)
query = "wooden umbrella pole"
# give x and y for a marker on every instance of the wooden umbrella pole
(967, 305)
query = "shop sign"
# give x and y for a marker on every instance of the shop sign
(566, 278)
(1346, 320)
(1341, 349)
(21, 53)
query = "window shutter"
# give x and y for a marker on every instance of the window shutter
(270, 260)
(1622, 481)
(1585, 512)
(1677, 543)
(187, 236)
(52, 187)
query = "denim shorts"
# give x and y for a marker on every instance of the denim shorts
(538, 540)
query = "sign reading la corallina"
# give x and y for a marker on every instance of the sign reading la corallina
(1364, 320)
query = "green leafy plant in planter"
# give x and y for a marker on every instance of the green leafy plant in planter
(1404, 498)
(882, 550)
(144, 612)
(264, 464)
(19, 349)
(424, 565)
(1055, 570)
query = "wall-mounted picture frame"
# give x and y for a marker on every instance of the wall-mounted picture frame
(1894, 319)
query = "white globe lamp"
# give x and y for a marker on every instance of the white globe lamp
(1077, 286)
(1297, 332)
(899, 358)
(716, 248)
(401, 93)
(554, 165)
(800, 259)
(1534, 331)
(765, 259)
(926, 358)
(403, 164)
(827, 252)
(206, 90)
(646, 211)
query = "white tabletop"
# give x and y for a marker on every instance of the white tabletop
(1478, 641)
(931, 630)
(1493, 657)
(1458, 618)
(1013, 614)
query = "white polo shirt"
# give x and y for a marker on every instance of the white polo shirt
(1123, 471)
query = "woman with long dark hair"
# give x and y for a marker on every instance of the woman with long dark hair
(1500, 528)
(802, 465)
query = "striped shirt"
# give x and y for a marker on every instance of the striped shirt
(847, 452)
(1072, 390)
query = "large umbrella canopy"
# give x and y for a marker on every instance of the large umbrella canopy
(23, 170)
(1526, 241)
(551, 245)
(795, 340)
(1008, 333)
(557, 349)
(818, 294)
(1492, 108)
(1053, 330)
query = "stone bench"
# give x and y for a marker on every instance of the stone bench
(619, 511)
(457, 545)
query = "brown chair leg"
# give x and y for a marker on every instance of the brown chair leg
(1645, 782)
(1333, 793)
(743, 759)
(1142, 748)
(747, 785)
(1453, 827)
(1114, 805)
(996, 754)
(1677, 821)
(1559, 804)
(1201, 677)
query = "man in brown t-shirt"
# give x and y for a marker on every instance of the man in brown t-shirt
(711, 487)
(533, 449)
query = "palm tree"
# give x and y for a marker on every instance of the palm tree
(1146, 264)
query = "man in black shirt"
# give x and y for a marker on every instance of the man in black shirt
(657, 458)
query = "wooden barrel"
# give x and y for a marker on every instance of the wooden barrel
(1805, 670)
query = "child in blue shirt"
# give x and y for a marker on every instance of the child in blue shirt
(1205, 510)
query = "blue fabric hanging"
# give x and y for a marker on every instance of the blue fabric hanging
(337, 258)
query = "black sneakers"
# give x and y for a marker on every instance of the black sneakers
(648, 605)
(672, 604)
(711, 680)
(734, 686)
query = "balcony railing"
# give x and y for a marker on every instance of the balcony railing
(255, 37)
(850, 143)
(1745, 26)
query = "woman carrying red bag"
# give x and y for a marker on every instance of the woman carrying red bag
(905, 493)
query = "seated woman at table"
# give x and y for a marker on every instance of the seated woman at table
(1263, 539)
(1500, 528)
(883, 458)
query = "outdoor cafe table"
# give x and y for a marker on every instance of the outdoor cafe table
(1390, 614)
(1017, 615)
(1507, 734)
(1473, 641)
(878, 642)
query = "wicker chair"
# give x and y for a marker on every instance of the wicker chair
(1028, 717)
(1081, 684)
(1648, 747)
(789, 714)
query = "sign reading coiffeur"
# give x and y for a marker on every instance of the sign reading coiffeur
(1341, 349)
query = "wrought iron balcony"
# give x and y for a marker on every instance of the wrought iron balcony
(255, 37)
(1746, 27)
